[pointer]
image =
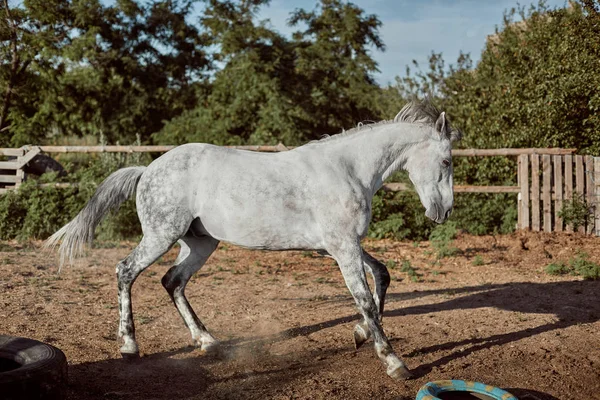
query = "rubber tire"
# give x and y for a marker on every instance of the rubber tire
(40, 373)
(41, 163)
(432, 389)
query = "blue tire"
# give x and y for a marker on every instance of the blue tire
(432, 389)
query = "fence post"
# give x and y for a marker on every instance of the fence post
(597, 195)
(589, 189)
(558, 193)
(546, 192)
(580, 182)
(569, 184)
(524, 194)
(20, 172)
(535, 192)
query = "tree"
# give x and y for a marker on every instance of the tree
(249, 100)
(25, 38)
(274, 89)
(535, 86)
(120, 70)
(334, 66)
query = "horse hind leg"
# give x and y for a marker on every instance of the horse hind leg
(148, 250)
(192, 256)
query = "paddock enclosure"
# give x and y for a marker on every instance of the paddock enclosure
(490, 313)
(545, 178)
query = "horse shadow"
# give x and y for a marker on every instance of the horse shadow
(571, 303)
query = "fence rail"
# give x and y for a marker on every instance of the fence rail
(562, 173)
(263, 148)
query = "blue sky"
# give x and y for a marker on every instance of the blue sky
(412, 29)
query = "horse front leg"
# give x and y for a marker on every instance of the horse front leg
(350, 259)
(381, 278)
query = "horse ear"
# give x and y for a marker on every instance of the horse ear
(397, 117)
(441, 125)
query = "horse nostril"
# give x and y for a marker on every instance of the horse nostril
(448, 213)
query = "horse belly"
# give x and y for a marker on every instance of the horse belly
(262, 226)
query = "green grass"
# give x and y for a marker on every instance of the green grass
(410, 271)
(478, 260)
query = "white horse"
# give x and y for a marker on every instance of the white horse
(315, 197)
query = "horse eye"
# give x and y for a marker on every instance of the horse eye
(446, 163)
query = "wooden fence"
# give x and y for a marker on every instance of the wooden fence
(562, 178)
(538, 205)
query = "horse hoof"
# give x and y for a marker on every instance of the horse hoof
(400, 374)
(359, 337)
(130, 356)
(130, 352)
(211, 348)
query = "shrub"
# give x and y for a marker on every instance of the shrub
(576, 211)
(580, 266)
(558, 268)
(399, 215)
(410, 271)
(35, 212)
(584, 267)
(441, 239)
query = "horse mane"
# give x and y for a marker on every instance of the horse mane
(414, 112)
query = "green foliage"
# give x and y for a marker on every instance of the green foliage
(410, 271)
(274, 89)
(557, 268)
(579, 265)
(127, 68)
(531, 88)
(399, 215)
(83, 67)
(441, 239)
(528, 89)
(482, 213)
(478, 260)
(576, 211)
(36, 212)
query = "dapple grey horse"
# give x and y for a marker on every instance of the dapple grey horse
(314, 197)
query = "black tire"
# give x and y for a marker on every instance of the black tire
(41, 163)
(30, 369)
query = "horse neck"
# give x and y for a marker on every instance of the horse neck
(374, 153)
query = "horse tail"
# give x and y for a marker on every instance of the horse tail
(109, 195)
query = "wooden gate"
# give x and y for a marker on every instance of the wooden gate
(12, 162)
(547, 181)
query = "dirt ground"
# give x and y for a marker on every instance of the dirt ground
(489, 314)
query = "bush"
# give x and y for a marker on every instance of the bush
(441, 239)
(35, 212)
(584, 267)
(580, 266)
(399, 215)
(576, 211)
